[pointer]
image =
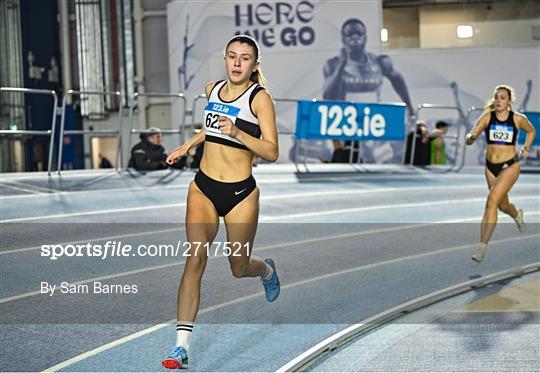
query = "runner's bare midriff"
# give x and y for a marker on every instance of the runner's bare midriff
(500, 153)
(225, 163)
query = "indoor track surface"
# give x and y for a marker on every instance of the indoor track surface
(347, 246)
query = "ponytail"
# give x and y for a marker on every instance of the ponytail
(259, 78)
(489, 106)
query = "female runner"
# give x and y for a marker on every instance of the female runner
(501, 126)
(239, 124)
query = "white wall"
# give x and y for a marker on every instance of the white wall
(403, 27)
(500, 25)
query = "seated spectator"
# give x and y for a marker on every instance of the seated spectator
(342, 151)
(339, 155)
(149, 155)
(104, 162)
(436, 142)
(421, 148)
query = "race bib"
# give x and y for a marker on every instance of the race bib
(501, 134)
(213, 110)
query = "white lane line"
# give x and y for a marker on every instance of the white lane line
(359, 191)
(385, 207)
(299, 215)
(105, 190)
(107, 346)
(154, 328)
(66, 174)
(263, 198)
(265, 218)
(262, 248)
(261, 181)
(451, 221)
(36, 187)
(96, 239)
(97, 212)
(504, 217)
(19, 189)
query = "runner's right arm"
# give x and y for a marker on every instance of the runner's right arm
(192, 142)
(478, 128)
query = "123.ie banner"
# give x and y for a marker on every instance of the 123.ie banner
(319, 120)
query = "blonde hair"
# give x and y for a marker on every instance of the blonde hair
(490, 104)
(256, 76)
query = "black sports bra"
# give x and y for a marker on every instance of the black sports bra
(501, 132)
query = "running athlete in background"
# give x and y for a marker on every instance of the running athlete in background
(240, 123)
(481, 145)
(501, 126)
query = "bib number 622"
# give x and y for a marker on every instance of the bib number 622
(211, 121)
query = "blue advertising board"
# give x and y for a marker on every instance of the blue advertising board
(534, 118)
(319, 120)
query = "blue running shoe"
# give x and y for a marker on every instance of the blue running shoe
(271, 287)
(177, 359)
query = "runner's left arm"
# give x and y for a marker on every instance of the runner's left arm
(524, 124)
(266, 147)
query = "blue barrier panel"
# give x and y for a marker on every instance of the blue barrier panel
(319, 120)
(534, 118)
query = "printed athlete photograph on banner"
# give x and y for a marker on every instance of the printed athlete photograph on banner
(357, 75)
(269, 186)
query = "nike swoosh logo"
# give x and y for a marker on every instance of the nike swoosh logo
(237, 193)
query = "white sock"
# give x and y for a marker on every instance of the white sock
(269, 273)
(183, 333)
